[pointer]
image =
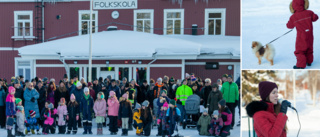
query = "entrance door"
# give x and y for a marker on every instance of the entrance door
(105, 71)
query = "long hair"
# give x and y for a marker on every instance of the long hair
(276, 108)
(62, 89)
(221, 109)
(54, 87)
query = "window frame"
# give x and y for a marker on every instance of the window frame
(80, 12)
(165, 11)
(151, 11)
(16, 20)
(223, 20)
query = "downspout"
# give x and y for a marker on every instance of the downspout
(155, 58)
(42, 24)
(66, 67)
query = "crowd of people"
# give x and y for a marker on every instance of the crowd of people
(39, 106)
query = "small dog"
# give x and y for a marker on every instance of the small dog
(268, 52)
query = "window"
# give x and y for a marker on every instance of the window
(215, 21)
(23, 24)
(84, 22)
(24, 69)
(173, 21)
(143, 20)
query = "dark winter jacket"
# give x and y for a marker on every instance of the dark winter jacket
(96, 88)
(302, 20)
(161, 104)
(156, 90)
(125, 109)
(173, 115)
(61, 94)
(131, 95)
(146, 119)
(213, 99)
(116, 89)
(171, 91)
(204, 94)
(71, 88)
(51, 96)
(143, 95)
(226, 116)
(78, 93)
(86, 106)
(2, 97)
(19, 94)
(73, 109)
(266, 122)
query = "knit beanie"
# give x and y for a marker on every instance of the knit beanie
(173, 102)
(32, 113)
(138, 106)
(193, 78)
(222, 102)
(86, 89)
(265, 88)
(125, 95)
(163, 91)
(145, 103)
(50, 106)
(216, 112)
(11, 89)
(78, 84)
(165, 105)
(171, 79)
(18, 100)
(225, 75)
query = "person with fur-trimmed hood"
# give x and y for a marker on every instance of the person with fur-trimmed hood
(73, 115)
(86, 108)
(302, 19)
(269, 115)
(125, 112)
(173, 116)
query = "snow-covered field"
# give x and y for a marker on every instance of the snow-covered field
(265, 20)
(192, 132)
(309, 118)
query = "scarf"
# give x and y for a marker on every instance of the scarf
(86, 96)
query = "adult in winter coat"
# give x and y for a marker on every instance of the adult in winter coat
(100, 110)
(269, 115)
(203, 123)
(157, 88)
(230, 93)
(42, 97)
(113, 110)
(302, 19)
(125, 113)
(143, 95)
(226, 116)
(31, 97)
(213, 98)
(19, 91)
(205, 92)
(182, 94)
(195, 89)
(2, 107)
(146, 117)
(78, 92)
(171, 90)
(10, 110)
(86, 108)
(92, 92)
(96, 87)
(73, 115)
(173, 116)
(51, 94)
(115, 88)
(62, 92)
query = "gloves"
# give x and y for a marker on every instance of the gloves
(55, 111)
(64, 118)
(284, 106)
(77, 117)
(27, 124)
(67, 117)
(158, 121)
(33, 99)
(179, 102)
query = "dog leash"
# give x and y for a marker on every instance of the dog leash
(280, 36)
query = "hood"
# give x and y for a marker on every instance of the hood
(299, 5)
(256, 106)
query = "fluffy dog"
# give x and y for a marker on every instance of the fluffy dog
(268, 52)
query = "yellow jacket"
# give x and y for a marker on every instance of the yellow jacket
(137, 115)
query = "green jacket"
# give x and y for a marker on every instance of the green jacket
(230, 92)
(204, 123)
(183, 92)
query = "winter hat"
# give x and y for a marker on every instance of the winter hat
(165, 105)
(125, 95)
(138, 106)
(78, 84)
(113, 80)
(216, 112)
(111, 93)
(145, 103)
(225, 75)
(89, 84)
(230, 76)
(16, 81)
(222, 102)
(298, 4)
(215, 85)
(32, 113)
(265, 88)
(159, 79)
(187, 75)
(21, 76)
(18, 100)
(144, 81)
(205, 111)
(173, 102)
(193, 78)
(65, 76)
(11, 89)
(171, 79)
(50, 106)
(109, 77)
(163, 91)
(86, 89)
(72, 97)
(62, 100)
(44, 79)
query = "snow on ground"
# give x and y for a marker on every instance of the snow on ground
(265, 20)
(192, 132)
(309, 118)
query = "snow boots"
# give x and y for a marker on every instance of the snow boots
(9, 132)
(124, 132)
(99, 129)
(21, 134)
(85, 128)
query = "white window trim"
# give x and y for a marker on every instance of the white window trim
(80, 12)
(15, 35)
(31, 67)
(165, 11)
(223, 19)
(151, 11)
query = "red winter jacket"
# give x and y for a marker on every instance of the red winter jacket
(269, 124)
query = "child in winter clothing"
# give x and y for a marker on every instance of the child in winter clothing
(302, 19)
(49, 115)
(62, 114)
(161, 100)
(100, 108)
(162, 120)
(216, 124)
(10, 110)
(146, 117)
(32, 123)
(20, 118)
(203, 124)
(86, 108)
(73, 115)
(42, 114)
(137, 120)
(113, 109)
(173, 116)
(125, 112)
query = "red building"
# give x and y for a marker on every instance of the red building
(30, 22)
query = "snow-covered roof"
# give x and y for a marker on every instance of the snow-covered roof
(131, 44)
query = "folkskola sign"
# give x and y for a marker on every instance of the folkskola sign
(115, 4)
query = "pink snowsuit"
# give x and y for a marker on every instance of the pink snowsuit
(215, 126)
(113, 108)
(302, 19)
(49, 119)
(100, 107)
(62, 112)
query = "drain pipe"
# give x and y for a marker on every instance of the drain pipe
(42, 24)
(148, 69)
(66, 67)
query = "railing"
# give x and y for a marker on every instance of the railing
(251, 130)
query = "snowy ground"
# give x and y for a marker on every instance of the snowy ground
(186, 133)
(265, 20)
(309, 118)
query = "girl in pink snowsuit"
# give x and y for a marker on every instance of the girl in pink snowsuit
(49, 116)
(62, 114)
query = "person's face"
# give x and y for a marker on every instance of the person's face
(214, 89)
(65, 79)
(62, 84)
(75, 79)
(215, 116)
(185, 82)
(165, 108)
(86, 93)
(219, 82)
(103, 88)
(17, 85)
(113, 84)
(172, 82)
(21, 79)
(194, 87)
(95, 82)
(159, 81)
(145, 84)
(39, 84)
(163, 94)
(207, 83)
(20, 103)
(72, 100)
(230, 79)
(71, 80)
(205, 113)
(143, 107)
(219, 106)
(273, 96)
(171, 106)
(34, 82)
(1, 83)
(46, 105)
(12, 93)
(99, 97)
(51, 86)
(132, 82)
(82, 80)
(80, 87)
(124, 82)
(224, 79)
(31, 85)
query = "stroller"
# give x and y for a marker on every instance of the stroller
(155, 112)
(192, 107)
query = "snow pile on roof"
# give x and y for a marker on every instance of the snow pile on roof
(116, 44)
(214, 44)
